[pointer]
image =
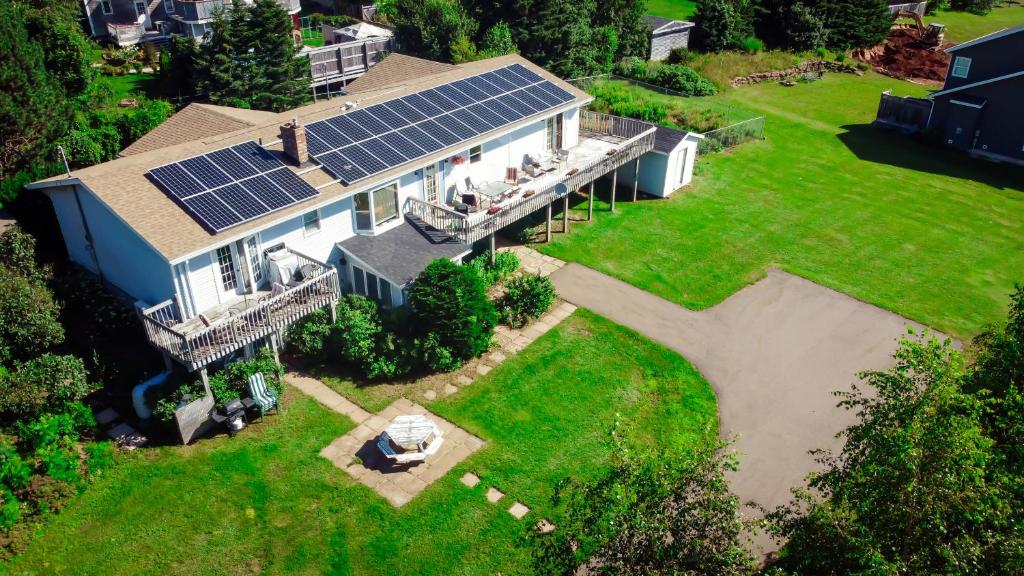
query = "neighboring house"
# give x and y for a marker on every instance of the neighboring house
(665, 35)
(226, 239)
(353, 32)
(127, 22)
(978, 110)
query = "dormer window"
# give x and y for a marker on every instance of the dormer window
(961, 66)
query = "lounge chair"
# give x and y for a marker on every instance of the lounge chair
(261, 396)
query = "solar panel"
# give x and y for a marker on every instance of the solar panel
(508, 114)
(439, 100)
(175, 181)
(470, 89)
(381, 151)
(549, 99)
(348, 127)
(315, 145)
(562, 95)
(291, 183)
(515, 104)
(368, 122)
(206, 172)
(361, 158)
(211, 212)
(421, 139)
(501, 83)
(452, 93)
(492, 119)
(455, 127)
(402, 145)
(530, 100)
(437, 132)
(529, 76)
(240, 201)
(471, 120)
(230, 162)
(420, 103)
(259, 158)
(329, 136)
(342, 168)
(262, 188)
(511, 77)
(402, 108)
(391, 119)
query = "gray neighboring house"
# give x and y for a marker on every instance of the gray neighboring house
(128, 22)
(665, 35)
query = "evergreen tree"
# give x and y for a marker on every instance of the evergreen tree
(497, 40)
(856, 23)
(723, 24)
(429, 28)
(34, 109)
(626, 17)
(280, 81)
(222, 79)
(564, 38)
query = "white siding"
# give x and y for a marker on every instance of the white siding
(571, 128)
(204, 280)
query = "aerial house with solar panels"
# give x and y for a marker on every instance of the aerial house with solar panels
(224, 238)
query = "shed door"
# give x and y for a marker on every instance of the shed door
(961, 123)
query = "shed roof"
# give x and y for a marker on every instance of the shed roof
(122, 185)
(667, 139)
(657, 23)
(400, 254)
(363, 30)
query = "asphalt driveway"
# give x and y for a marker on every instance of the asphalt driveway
(773, 352)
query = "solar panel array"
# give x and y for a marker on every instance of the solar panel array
(232, 185)
(371, 140)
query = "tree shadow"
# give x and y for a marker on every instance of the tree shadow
(881, 146)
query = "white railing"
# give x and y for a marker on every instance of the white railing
(346, 61)
(439, 218)
(196, 349)
(125, 34)
(916, 7)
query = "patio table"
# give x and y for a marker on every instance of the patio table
(413, 431)
(494, 190)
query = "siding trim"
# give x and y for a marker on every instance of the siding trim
(975, 84)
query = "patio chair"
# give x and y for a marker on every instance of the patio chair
(512, 175)
(384, 445)
(260, 395)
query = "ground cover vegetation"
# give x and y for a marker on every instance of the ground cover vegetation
(47, 447)
(265, 502)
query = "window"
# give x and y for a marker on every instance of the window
(140, 9)
(311, 222)
(169, 6)
(226, 265)
(682, 166)
(358, 280)
(961, 66)
(372, 286)
(385, 204)
(476, 153)
(363, 219)
(385, 293)
(106, 7)
(553, 133)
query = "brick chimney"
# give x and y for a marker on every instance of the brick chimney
(293, 138)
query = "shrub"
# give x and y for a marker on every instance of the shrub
(358, 326)
(10, 509)
(437, 356)
(751, 45)
(528, 297)
(14, 472)
(45, 431)
(46, 384)
(505, 264)
(681, 56)
(309, 335)
(28, 317)
(672, 76)
(238, 373)
(60, 461)
(99, 456)
(450, 302)
(821, 52)
(48, 494)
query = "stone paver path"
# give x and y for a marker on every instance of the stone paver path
(773, 352)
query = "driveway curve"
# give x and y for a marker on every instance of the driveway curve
(773, 352)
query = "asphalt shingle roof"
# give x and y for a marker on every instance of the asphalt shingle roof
(400, 254)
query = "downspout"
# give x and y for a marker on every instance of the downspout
(88, 237)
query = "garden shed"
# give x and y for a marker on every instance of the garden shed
(666, 168)
(665, 35)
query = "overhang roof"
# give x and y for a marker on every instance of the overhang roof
(400, 254)
(934, 95)
(122, 185)
(395, 69)
(197, 121)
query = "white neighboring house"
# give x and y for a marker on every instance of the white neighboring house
(206, 293)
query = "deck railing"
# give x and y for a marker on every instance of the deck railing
(196, 349)
(346, 61)
(125, 34)
(634, 138)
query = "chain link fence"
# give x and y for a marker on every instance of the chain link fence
(732, 135)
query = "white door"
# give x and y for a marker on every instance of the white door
(225, 268)
(254, 259)
(142, 12)
(431, 184)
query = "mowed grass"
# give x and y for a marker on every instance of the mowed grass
(265, 502)
(675, 9)
(913, 228)
(964, 26)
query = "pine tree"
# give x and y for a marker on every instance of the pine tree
(222, 79)
(280, 80)
(856, 23)
(626, 17)
(33, 108)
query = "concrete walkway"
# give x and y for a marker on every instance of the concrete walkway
(773, 352)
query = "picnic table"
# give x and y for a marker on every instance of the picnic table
(415, 434)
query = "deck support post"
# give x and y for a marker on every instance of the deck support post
(273, 346)
(547, 233)
(565, 215)
(615, 183)
(492, 248)
(205, 377)
(168, 365)
(334, 312)
(590, 203)
(636, 177)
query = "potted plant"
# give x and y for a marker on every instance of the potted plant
(458, 159)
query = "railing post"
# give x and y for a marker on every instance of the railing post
(547, 233)
(615, 182)
(565, 215)
(590, 203)
(636, 177)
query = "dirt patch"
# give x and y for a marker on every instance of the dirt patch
(904, 56)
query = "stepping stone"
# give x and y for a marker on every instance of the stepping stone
(107, 416)
(449, 389)
(497, 357)
(463, 380)
(545, 527)
(517, 510)
(494, 495)
(483, 369)
(430, 394)
(470, 479)
(127, 436)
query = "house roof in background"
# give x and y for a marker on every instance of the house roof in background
(197, 121)
(400, 254)
(988, 37)
(395, 69)
(122, 184)
(363, 30)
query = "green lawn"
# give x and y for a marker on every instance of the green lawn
(265, 502)
(963, 26)
(129, 85)
(916, 229)
(676, 9)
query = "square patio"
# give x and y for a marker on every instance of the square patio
(398, 484)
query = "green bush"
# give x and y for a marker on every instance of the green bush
(45, 431)
(60, 461)
(681, 56)
(450, 302)
(29, 321)
(528, 296)
(505, 264)
(672, 76)
(99, 457)
(309, 335)
(613, 99)
(361, 339)
(238, 373)
(751, 45)
(14, 472)
(10, 509)
(46, 384)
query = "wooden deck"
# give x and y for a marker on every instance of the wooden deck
(347, 61)
(195, 343)
(606, 143)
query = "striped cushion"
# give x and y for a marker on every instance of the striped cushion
(263, 395)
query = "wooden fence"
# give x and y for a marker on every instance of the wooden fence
(905, 113)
